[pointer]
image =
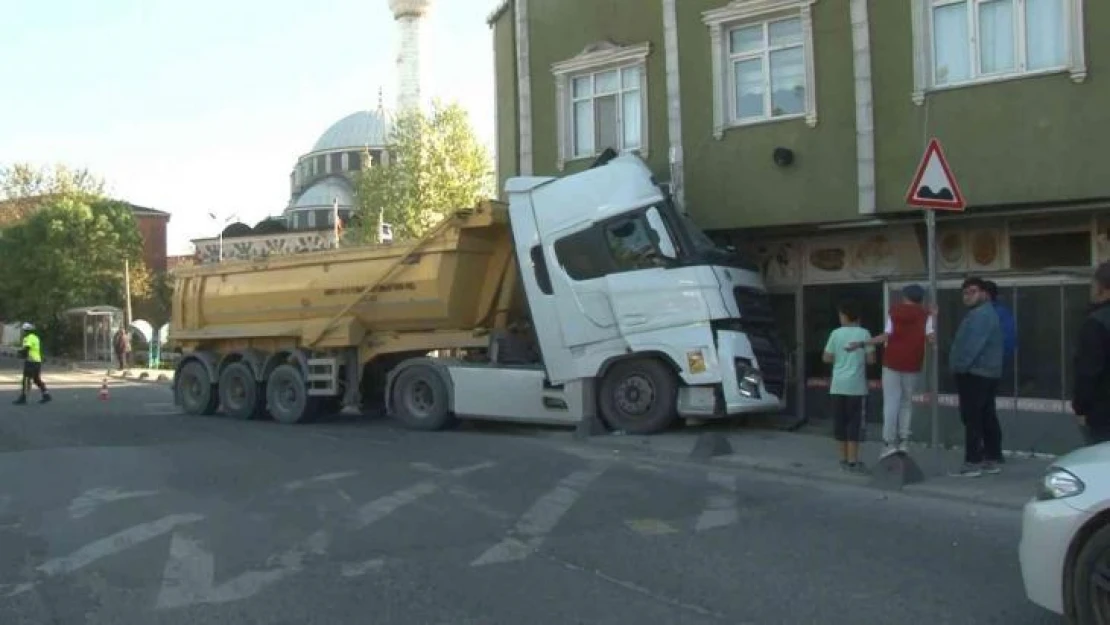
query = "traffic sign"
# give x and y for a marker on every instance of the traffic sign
(934, 186)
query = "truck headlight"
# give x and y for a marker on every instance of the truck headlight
(747, 378)
(695, 361)
(1058, 483)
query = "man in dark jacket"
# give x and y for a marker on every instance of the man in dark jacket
(1091, 393)
(975, 358)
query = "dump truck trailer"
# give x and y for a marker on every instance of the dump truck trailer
(581, 296)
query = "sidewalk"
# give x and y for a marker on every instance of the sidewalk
(811, 453)
(100, 368)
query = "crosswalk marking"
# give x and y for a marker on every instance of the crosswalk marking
(721, 508)
(326, 477)
(537, 522)
(84, 504)
(358, 569)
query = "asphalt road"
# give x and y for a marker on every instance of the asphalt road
(124, 512)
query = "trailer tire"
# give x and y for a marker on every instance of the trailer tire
(238, 392)
(198, 397)
(421, 400)
(638, 396)
(287, 396)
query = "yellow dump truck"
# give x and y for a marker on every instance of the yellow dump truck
(583, 296)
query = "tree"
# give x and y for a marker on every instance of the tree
(68, 254)
(436, 165)
(25, 188)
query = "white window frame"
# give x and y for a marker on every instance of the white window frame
(924, 65)
(743, 13)
(595, 59)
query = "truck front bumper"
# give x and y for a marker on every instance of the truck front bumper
(747, 385)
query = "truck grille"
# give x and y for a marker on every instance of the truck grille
(757, 320)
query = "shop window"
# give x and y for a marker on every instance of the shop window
(1033, 252)
(1038, 342)
(820, 303)
(1077, 299)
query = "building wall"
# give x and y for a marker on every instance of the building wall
(152, 228)
(1029, 140)
(506, 95)
(733, 181)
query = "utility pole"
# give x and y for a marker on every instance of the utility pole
(127, 292)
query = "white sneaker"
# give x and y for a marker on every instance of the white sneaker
(888, 450)
(903, 446)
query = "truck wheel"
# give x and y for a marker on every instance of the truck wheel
(638, 396)
(286, 395)
(239, 392)
(197, 395)
(420, 399)
(1091, 580)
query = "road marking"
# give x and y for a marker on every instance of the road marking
(84, 504)
(109, 546)
(190, 574)
(326, 477)
(650, 527)
(537, 522)
(721, 508)
(358, 569)
(459, 472)
(382, 507)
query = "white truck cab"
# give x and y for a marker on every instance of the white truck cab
(636, 313)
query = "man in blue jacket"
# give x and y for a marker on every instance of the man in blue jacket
(1009, 340)
(975, 359)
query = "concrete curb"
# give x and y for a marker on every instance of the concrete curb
(928, 488)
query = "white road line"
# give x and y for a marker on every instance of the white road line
(650, 527)
(109, 546)
(358, 569)
(86, 502)
(721, 508)
(537, 522)
(326, 477)
(459, 472)
(376, 510)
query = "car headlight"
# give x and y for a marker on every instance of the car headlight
(1059, 484)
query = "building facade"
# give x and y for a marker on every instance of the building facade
(792, 129)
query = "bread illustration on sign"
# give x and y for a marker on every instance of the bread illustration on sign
(829, 259)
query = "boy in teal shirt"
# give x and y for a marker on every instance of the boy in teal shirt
(848, 390)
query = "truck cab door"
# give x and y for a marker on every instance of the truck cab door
(648, 293)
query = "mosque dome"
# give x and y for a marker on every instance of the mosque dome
(357, 130)
(323, 193)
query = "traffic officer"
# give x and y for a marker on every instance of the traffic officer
(31, 352)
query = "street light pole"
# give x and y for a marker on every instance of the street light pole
(223, 225)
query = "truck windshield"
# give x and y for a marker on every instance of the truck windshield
(705, 250)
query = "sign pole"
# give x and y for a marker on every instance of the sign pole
(934, 188)
(934, 349)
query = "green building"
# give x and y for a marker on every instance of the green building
(793, 129)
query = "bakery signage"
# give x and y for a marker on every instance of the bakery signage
(934, 186)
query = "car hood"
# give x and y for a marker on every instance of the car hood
(1085, 459)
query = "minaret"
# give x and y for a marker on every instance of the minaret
(409, 15)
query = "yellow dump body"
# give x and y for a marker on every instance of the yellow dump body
(452, 281)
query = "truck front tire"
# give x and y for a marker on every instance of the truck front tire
(420, 399)
(195, 389)
(638, 396)
(286, 395)
(239, 392)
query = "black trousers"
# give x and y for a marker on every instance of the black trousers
(982, 432)
(1093, 435)
(848, 418)
(32, 374)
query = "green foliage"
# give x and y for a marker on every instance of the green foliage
(68, 254)
(25, 188)
(436, 165)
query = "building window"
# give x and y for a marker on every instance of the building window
(959, 42)
(763, 63)
(602, 101)
(354, 161)
(336, 162)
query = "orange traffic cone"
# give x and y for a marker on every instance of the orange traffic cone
(104, 390)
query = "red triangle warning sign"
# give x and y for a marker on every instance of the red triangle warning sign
(934, 186)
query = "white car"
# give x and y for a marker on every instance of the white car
(1065, 538)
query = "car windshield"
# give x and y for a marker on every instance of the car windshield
(707, 248)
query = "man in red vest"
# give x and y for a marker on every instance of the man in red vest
(909, 324)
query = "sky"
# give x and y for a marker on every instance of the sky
(199, 106)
